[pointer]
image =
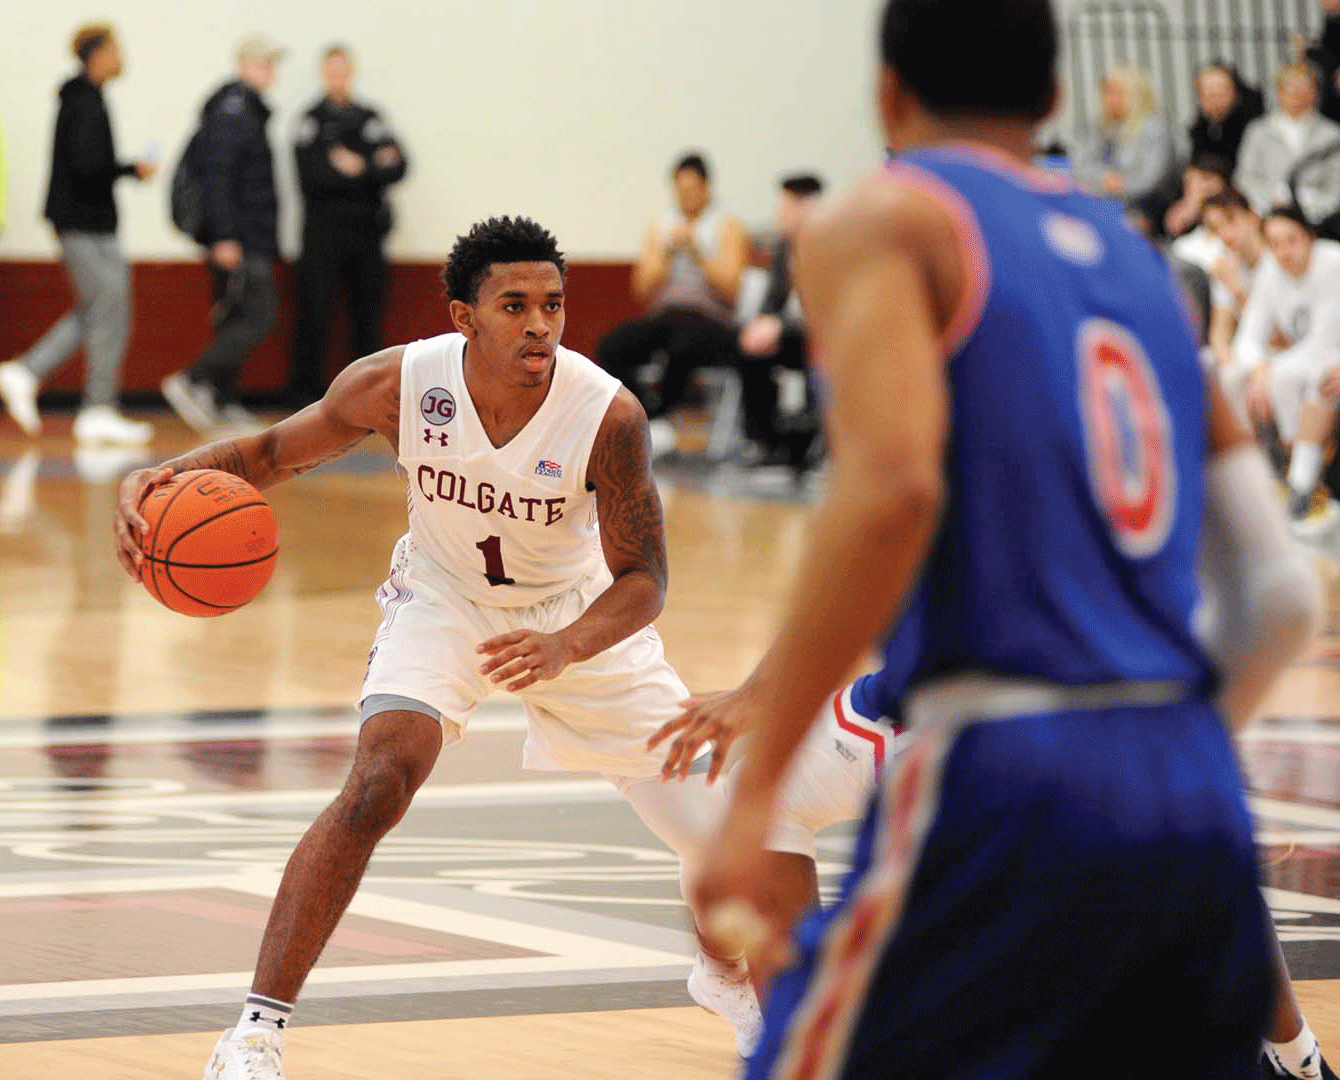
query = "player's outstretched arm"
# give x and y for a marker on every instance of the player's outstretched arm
(364, 398)
(632, 534)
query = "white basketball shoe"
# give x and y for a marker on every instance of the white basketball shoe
(253, 1056)
(732, 999)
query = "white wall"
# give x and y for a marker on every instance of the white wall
(566, 110)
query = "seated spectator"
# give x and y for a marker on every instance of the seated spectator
(1203, 177)
(1230, 217)
(1132, 152)
(775, 338)
(1294, 304)
(1224, 108)
(1324, 55)
(1277, 143)
(687, 275)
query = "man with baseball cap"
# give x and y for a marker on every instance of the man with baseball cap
(241, 222)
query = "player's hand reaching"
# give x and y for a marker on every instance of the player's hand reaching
(525, 656)
(129, 525)
(718, 718)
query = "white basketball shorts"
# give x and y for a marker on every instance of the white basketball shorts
(596, 716)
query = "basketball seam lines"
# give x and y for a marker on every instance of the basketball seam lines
(209, 520)
(153, 542)
(211, 566)
(167, 556)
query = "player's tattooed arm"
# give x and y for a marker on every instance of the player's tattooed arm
(632, 523)
(632, 530)
(364, 398)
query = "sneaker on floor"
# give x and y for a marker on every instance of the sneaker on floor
(663, 437)
(236, 420)
(730, 998)
(254, 1056)
(192, 401)
(103, 424)
(18, 390)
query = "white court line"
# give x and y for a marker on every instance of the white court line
(1328, 737)
(492, 721)
(615, 955)
(1277, 810)
(564, 950)
(507, 792)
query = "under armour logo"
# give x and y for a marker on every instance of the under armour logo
(429, 435)
(257, 1018)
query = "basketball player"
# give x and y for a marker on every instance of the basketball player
(535, 561)
(1061, 861)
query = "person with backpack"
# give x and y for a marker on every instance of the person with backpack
(82, 208)
(224, 197)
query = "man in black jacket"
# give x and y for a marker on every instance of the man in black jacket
(347, 156)
(775, 338)
(81, 207)
(241, 222)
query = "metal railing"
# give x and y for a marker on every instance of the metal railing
(1171, 40)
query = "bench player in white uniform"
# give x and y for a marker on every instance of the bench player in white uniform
(535, 561)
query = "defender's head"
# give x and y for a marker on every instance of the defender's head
(504, 281)
(1005, 70)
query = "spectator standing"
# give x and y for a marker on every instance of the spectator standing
(1276, 145)
(1224, 108)
(775, 338)
(81, 206)
(347, 157)
(1131, 153)
(687, 275)
(241, 222)
(1295, 301)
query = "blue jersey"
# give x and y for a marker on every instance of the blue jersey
(1076, 447)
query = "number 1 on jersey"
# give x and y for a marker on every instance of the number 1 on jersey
(493, 564)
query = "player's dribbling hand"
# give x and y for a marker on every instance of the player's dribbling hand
(129, 525)
(525, 656)
(718, 718)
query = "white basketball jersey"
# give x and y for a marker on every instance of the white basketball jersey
(502, 526)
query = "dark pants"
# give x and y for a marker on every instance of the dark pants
(688, 339)
(760, 387)
(335, 254)
(244, 312)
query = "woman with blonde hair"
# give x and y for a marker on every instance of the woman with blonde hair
(1131, 153)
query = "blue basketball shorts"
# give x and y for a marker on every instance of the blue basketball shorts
(1074, 894)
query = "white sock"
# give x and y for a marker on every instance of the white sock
(260, 1013)
(1305, 468)
(734, 969)
(1300, 1057)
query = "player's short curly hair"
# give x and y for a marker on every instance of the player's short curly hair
(497, 240)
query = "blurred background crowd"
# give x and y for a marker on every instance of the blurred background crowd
(1244, 199)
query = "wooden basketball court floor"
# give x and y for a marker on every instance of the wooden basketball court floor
(156, 770)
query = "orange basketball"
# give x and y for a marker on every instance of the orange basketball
(211, 543)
